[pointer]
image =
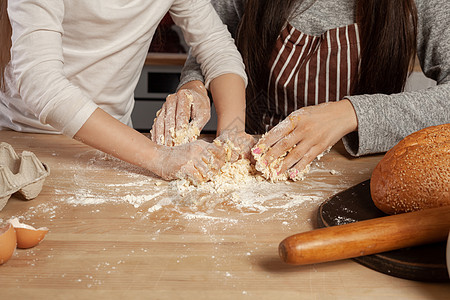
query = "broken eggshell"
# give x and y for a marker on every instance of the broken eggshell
(8, 241)
(27, 236)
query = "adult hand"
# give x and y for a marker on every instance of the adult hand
(307, 133)
(197, 162)
(190, 106)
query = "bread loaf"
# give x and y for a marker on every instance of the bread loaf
(415, 173)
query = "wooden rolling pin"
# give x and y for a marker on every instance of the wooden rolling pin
(367, 237)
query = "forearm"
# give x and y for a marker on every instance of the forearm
(191, 72)
(109, 135)
(383, 120)
(214, 48)
(228, 92)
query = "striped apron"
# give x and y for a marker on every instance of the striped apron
(307, 70)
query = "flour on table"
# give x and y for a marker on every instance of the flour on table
(238, 190)
(237, 186)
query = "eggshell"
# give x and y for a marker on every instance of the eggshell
(8, 243)
(27, 236)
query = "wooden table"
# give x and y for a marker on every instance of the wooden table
(118, 232)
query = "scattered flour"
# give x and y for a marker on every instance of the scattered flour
(93, 199)
(237, 188)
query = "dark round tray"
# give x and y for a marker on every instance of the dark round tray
(421, 263)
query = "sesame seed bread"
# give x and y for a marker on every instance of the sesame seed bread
(415, 173)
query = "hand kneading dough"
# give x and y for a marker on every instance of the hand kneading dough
(415, 173)
(272, 171)
(188, 133)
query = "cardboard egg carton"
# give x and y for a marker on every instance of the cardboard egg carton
(22, 173)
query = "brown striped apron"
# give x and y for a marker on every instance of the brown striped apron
(307, 70)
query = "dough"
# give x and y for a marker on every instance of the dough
(272, 171)
(186, 134)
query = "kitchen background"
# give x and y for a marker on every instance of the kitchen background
(161, 74)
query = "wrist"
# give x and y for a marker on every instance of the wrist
(230, 123)
(349, 114)
(228, 92)
(196, 86)
(152, 158)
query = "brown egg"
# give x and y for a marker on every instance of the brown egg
(27, 236)
(8, 242)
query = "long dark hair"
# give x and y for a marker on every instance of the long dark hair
(5, 40)
(388, 45)
(388, 42)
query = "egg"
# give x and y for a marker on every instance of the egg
(27, 236)
(8, 243)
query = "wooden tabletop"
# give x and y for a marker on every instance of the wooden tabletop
(118, 232)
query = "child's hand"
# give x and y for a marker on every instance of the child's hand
(241, 143)
(190, 104)
(197, 162)
(311, 130)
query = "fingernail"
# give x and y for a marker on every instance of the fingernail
(293, 174)
(257, 150)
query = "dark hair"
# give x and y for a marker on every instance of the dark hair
(5, 40)
(388, 42)
(388, 45)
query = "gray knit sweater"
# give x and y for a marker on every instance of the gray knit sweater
(383, 120)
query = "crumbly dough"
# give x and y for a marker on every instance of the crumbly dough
(241, 170)
(272, 171)
(229, 177)
(235, 171)
(186, 134)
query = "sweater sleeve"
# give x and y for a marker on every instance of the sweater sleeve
(210, 42)
(37, 61)
(383, 120)
(230, 13)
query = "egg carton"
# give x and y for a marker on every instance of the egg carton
(22, 173)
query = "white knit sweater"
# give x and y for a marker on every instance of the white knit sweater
(70, 57)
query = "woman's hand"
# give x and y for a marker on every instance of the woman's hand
(307, 133)
(197, 162)
(190, 104)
